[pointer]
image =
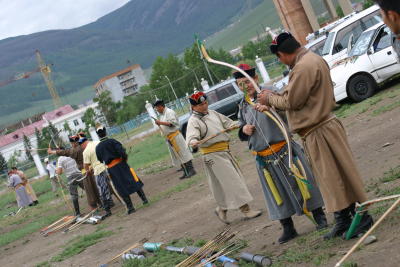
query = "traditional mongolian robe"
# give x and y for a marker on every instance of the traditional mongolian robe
(225, 179)
(112, 153)
(308, 100)
(23, 199)
(89, 182)
(176, 143)
(281, 190)
(28, 186)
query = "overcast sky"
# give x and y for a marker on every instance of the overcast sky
(19, 17)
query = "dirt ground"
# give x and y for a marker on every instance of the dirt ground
(190, 213)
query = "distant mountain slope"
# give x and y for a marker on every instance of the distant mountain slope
(139, 31)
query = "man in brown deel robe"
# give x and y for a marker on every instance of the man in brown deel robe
(89, 183)
(308, 100)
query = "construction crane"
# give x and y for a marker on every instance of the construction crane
(46, 73)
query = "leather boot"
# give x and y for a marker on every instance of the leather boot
(190, 168)
(107, 208)
(185, 172)
(249, 213)
(320, 218)
(342, 223)
(75, 202)
(289, 232)
(142, 196)
(221, 214)
(129, 205)
(365, 223)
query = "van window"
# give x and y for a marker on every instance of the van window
(328, 43)
(383, 40)
(371, 19)
(317, 48)
(220, 93)
(343, 36)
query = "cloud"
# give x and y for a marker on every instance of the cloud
(20, 17)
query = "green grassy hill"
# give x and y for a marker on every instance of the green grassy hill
(246, 27)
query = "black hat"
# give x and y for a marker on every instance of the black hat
(246, 68)
(281, 41)
(158, 102)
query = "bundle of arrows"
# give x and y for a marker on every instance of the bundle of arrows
(218, 243)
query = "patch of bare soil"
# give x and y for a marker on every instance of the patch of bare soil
(190, 213)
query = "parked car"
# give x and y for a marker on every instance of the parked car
(371, 61)
(335, 47)
(223, 97)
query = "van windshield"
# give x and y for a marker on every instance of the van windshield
(220, 93)
(328, 44)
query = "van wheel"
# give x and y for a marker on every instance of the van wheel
(360, 87)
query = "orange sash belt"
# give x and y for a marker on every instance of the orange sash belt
(114, 162)
(274, 148)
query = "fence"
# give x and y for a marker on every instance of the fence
(177, 104)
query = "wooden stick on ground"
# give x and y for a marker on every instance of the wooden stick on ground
(85, 218)
(59, 227)
(53, 224)
(395, 204)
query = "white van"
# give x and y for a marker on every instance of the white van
(335, 47)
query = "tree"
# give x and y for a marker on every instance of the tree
(13, 160)
(107, 107)
(66, 127)
(368, 3)
(43, 139)
(339, 11)
(89, 117)
(192, 61)
(3, 163)
(259, 48)
(28, 147)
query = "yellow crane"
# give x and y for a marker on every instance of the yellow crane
(46, 73)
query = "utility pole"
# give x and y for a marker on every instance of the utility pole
(170, 84)
(205, 64)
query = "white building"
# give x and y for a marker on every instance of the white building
(13, 142)
(73, 119)
(122, 83)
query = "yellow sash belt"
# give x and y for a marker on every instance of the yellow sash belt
(172, 141)
(135, 177)
(220, 146)
(272, 187)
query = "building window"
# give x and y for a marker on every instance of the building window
(76, 122)
(125, 75)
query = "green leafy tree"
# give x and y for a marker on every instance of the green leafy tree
(13, 160)
(368, 3)
(258, 48)
(54, 135)
(3, 163)
(66, 127)
(42, 139)
(107, 107)
(339, 11)
(193, 62)
(89, 117)
(28, 147)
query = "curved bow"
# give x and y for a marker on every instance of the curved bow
(273, 115)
